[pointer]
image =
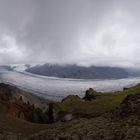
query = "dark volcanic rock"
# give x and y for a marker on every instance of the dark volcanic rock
(130, 106)
(90, 94)
(5, 92)
(51, 113)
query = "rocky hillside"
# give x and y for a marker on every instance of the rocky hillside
(122, 123)
(130, 107)
(96, 116)
(22, 105)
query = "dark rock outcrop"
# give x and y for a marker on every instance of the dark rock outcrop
(90, 94)
(51, 113)
(129, 106)
(5, 92)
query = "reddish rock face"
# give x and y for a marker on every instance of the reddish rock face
(18, 111)
(18, 108)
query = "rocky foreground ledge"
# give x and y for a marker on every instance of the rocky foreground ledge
(97, 116)
(26, 106)
(121, 123)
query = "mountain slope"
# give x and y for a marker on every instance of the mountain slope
(79, 72)
(13, 101)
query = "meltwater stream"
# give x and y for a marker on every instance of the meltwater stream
(58, 88)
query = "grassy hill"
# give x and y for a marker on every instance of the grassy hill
(103, 102)
(120, 120)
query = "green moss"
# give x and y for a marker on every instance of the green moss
(64, 106)
(71, 98)
(104, 102)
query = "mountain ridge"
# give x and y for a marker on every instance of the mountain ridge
(79, 72)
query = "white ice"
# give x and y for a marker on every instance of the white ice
(58, 88)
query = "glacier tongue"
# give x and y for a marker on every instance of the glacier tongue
(57, 88)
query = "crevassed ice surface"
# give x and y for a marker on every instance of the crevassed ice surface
(57, 88)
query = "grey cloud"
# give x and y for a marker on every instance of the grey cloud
(87, 32)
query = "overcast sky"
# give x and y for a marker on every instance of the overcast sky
(85, 32)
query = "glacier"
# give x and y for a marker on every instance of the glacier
(53, 88)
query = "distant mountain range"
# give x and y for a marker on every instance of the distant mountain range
(81, 72)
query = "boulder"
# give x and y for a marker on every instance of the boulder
(67, 117)
(90, 94)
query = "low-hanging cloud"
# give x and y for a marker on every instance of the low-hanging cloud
(85, 32)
